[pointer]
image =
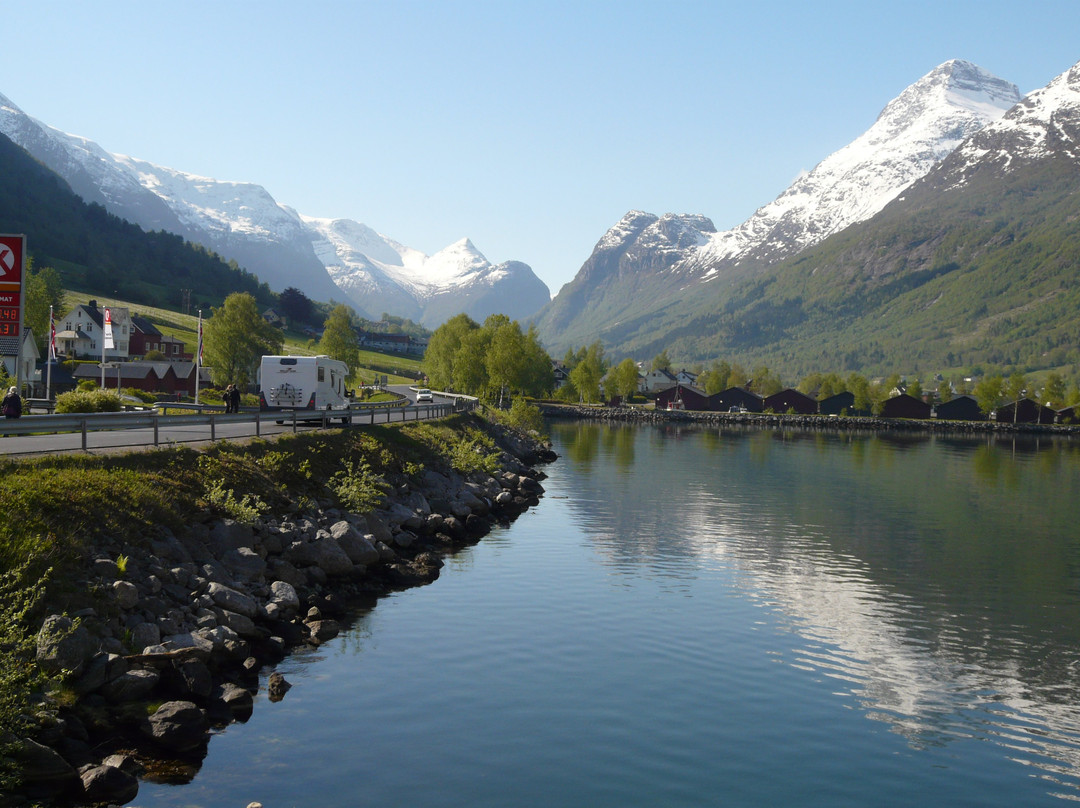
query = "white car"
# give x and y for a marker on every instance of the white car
(423, 394)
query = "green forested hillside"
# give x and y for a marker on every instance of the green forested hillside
(99, 253)
(983, 275)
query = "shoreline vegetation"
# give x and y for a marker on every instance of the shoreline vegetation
(846, 423)
(145, 593)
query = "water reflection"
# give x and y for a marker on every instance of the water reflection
(935, 580)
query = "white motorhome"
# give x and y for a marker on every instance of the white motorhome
(302, 383)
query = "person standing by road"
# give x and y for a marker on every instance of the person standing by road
(12, 404)
(232, 398)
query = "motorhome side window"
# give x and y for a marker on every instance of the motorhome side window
(322, 374)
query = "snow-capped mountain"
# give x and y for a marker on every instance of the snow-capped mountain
(913, 133)
(1043, 125)
(430, 289)
(327, 259)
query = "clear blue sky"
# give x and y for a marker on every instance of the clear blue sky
(530, 127)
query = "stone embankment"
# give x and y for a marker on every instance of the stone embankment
(805, 422)
(187, 621)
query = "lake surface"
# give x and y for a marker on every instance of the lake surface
(703, 617)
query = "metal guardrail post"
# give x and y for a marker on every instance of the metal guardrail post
(155, 431)
(258, 424)
(294, 421)
(84, 434)
(213, 430)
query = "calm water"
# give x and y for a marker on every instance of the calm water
(704, 618)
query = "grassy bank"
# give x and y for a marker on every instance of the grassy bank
(63, 511)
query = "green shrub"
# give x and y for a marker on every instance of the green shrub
(358, 487)
(20, 678)
(95, 400)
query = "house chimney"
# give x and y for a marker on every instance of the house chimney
(92, 305)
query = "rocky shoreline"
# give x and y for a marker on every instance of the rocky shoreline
(188, 620)
(803, 422)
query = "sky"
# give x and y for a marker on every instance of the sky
(528, 127)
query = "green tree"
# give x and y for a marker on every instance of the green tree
(915, 389)
(296, 306)
(622, 380)
(587, 374)
(989, 391)
(42, 288)
(715, 378)
(339, 340)
(661, 361)
(506, 363)
(1054, 391)
(235, 338)
(442, 352)
(859, 387)
(944, 391)
(470, 362)
(765, 383)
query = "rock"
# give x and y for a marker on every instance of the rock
(378, 528)
(324, 630)
(324, 554)
(194, 678)
(359, 548)
(134, 685)
(178, 726)
(283, 596)
(127, 594)
(108, 784)
(106, 568)
(145, 634)
(228, 534)
(232, 600)
(277, 687)
(63, 646)
(102, 669)
(241, 624)
(237, 699)
(43, 772)
(283, 570)
(244, 563)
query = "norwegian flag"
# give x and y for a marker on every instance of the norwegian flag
(200, 337)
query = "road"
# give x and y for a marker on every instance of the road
(173, 431)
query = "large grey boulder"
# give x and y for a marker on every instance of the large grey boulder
(127, 594)
(232, 600)
(43, 772)
(134, 685)
(283, 596)
(244, 563)
(325, 554)
(64, 646)
(177, 725)
(108, 784)
(228, 534)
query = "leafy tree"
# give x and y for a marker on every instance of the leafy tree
(859, 387)
(715, 378)
(539, 373)
(235, 338)
(587, 374)
(765, 382)
(944, 391)
(661, 361)
(831, 385)
(505, 360)
(296, 306)
(470, 362)
(339, 340)
(442, 352)
(1072, 397)
(42, 288)
(989, 391)
(915, 389)
(622, 380)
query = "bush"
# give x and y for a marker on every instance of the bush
(95, 400)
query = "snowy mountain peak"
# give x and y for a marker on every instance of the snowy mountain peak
(1044, 122)
(913, 133)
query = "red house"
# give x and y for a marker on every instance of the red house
(682, 397)
(791, 401)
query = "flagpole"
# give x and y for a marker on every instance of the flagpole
(51, 355)
(198, 360)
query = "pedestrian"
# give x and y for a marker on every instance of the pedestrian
(12, 404)
(232, 398)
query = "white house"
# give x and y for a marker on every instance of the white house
(659, 380)
(83, 331)
(19, 356)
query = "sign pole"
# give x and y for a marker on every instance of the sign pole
(51, 355)
(198, 361)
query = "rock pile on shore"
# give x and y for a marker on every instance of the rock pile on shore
(188, 620)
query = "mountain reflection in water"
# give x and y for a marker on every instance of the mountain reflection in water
(933, 579)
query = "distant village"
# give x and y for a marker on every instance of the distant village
(143, 358)
(678, 391)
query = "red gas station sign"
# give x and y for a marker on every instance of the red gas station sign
(12, 253)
